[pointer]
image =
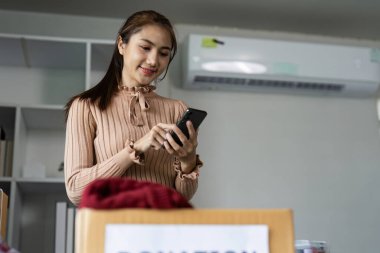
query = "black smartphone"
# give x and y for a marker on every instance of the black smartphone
(195, 116)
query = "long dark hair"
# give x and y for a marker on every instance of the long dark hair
(102, 92)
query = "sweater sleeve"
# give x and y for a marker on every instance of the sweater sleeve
(81, 167)
(186, 184)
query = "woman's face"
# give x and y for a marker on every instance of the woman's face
(145, 56)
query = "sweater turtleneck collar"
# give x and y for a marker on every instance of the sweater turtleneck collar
(135, 89)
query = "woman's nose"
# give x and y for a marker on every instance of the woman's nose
(152, 58)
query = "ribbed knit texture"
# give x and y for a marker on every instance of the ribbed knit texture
(96, 141)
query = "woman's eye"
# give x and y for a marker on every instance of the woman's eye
(145, 48)
(164, 54)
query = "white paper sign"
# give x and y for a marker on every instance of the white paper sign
(130, 238)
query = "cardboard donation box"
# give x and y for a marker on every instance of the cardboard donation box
(184, 231)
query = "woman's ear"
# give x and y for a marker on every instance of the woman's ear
(120, 45)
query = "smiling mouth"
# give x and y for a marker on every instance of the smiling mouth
(148, 71)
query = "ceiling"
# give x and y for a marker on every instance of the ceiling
(337, 18)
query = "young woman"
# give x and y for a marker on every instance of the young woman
(121, 127)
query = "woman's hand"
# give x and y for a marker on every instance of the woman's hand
(153, 139)
(159, 137)
(187, 152)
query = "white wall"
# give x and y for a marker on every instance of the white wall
(319, 156)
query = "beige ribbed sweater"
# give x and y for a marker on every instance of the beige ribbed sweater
(98, 141)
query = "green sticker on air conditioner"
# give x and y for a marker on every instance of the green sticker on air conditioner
(209, 43)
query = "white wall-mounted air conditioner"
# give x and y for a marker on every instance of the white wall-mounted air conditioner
(242, 64)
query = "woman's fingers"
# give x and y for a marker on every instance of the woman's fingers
(158, 132)
(174, 148)
(191, 130)
(168, 148)
(181, 136)
(166, 127)
(170, 140)
(163, 135)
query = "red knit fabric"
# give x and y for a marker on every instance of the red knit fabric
(111, 193)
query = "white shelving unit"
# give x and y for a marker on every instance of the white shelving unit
(37, 77)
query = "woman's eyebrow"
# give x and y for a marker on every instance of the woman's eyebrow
(151, 43)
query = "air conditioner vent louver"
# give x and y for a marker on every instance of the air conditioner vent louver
(296, 85)
(217, 79)
(260, 83)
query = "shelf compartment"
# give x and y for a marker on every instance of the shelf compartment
(42, 139)
(41, 53)
(7, 123)
(41, 186)
(41, 71)
(11, 52)
(7, 120)
(55, 54)
(44, 117)
(37, 214)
